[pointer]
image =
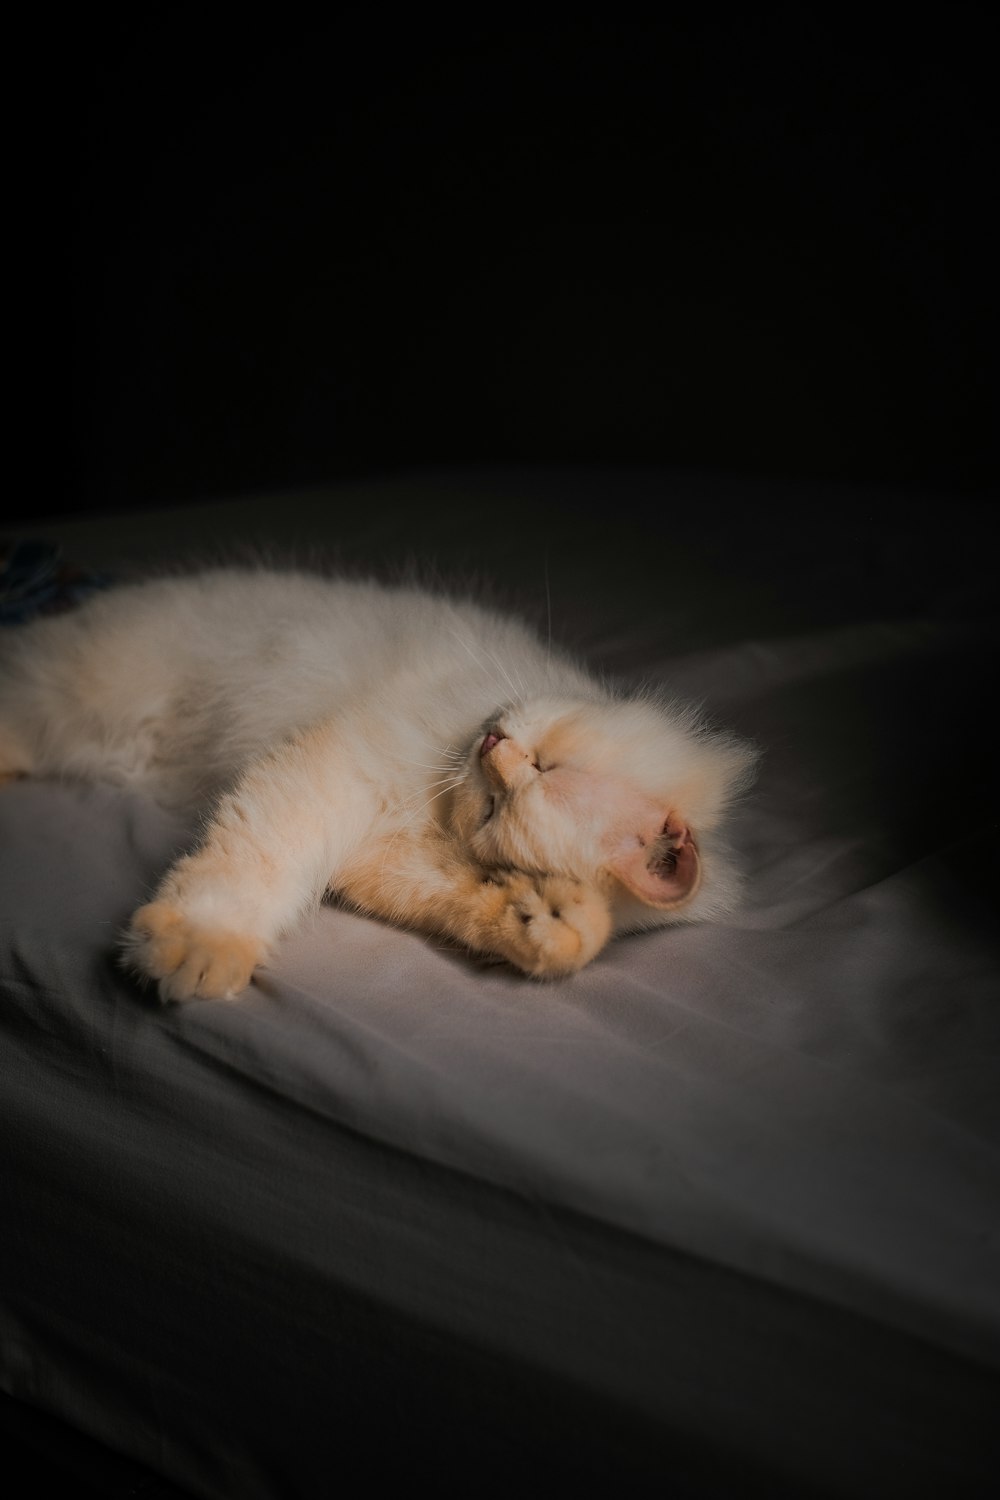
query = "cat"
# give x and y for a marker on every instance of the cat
(426, 759)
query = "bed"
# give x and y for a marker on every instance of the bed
(719, 1215)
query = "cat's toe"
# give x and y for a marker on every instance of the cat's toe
(189, 961)
(553, 925)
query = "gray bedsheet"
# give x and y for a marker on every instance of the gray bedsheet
(727, 1198)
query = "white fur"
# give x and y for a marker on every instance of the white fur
(316, 721)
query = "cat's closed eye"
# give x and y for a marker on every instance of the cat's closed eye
(490, 806)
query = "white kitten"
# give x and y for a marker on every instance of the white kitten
(426, 759)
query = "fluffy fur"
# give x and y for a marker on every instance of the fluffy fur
(426, 759)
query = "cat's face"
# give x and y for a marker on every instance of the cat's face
(595, 790)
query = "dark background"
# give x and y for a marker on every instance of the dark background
(303, 250)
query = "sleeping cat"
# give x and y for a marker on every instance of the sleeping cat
(426, 759)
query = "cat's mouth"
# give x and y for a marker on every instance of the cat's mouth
(490, 740)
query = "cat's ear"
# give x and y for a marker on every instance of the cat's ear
(663, 871)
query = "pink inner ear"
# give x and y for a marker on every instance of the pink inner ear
(664, 871)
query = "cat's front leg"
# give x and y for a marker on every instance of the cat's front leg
(546, 925)
(267, 856)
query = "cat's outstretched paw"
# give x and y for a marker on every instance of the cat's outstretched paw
(550, 925)
(189, 961)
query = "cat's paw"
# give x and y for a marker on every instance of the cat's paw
(190, 961)
(550, 925)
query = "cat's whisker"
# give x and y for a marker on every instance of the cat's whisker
(548, 611)
(521, 693)
(405, 824)
(428, 786)
(453, 754)
(480, 663)
(518, 692)
(426, 765)
(445, 780)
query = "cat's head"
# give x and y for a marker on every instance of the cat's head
(625, 793)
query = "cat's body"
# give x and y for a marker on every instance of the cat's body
(428, 760)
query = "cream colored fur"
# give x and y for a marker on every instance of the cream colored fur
(333, 732)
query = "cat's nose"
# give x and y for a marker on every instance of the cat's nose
(504, 762)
